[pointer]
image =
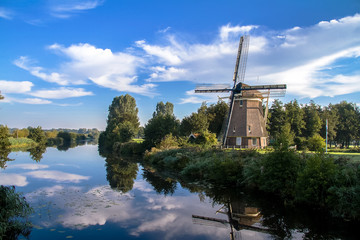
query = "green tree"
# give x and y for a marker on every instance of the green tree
(331, 115)
(295, 116)
(4, 146)
(216, 114)
(312, 119)
(122, 123)
(276, 119)
(37, 134)
(349, 123)
(316, 143)
(161, 124)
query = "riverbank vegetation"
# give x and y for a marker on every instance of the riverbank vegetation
(314, 180)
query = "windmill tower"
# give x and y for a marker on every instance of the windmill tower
(245, 125)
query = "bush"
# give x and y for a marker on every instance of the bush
(279, 171)
(316, 143)
(315, 179)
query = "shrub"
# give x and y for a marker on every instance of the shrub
(316, 143)
(279, 171)
(314, 180)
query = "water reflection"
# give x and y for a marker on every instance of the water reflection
(74, 195)
(37, 152)
(165, 186)
(121, 173)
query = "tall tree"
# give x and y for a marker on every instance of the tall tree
(312, 119)
(161, 124)
(276, 119)
(122, 123)
(330, 114)
(349, 123)
(295, 117)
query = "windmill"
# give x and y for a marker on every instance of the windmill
(245, 125)
(238, 218)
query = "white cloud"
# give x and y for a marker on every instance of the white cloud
(303, 58)
(61, 93)
(15, 87)
(6, 14)
(25, 63)
(13, 179)
(226, 30)
(58, 176)
(67, 8)
(29, 166)
(31, 101)
(103, 67)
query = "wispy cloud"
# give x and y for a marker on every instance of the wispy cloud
(31, 101)
(5, 13)
(58, 176)
(61, 93)
(27, 64)
(67, 8)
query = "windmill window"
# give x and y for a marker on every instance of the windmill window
(234, 130)
(249, 129)
(241, 103)
(254, 141)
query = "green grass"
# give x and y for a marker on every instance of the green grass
(21, 142)
(138, 140)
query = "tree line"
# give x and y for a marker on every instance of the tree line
(297, 124)
(300, 124)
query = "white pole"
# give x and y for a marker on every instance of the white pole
(326, 135)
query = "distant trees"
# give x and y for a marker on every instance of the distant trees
(307, 123)
(122, 123)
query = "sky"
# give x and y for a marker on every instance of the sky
(63, 61)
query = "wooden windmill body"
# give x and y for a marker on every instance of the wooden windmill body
(245, 126)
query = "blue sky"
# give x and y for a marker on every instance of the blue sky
(63, 61)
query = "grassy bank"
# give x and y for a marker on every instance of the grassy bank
(17, 143)
(316, 180)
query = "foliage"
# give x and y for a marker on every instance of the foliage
(37, 134)
(122, 123)
(14, 212)
(312, 119)
(276, 119)
(206, 139)
(349, 123)
(20, 133)
(4, 146)
(279, 171)
(316, 143)
(161, 124)
(315, 179)
(168, 142)
(128, 148)
(36, 153)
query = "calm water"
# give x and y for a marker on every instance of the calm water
(77, 195)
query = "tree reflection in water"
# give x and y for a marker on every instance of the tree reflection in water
(37, 152)
(121, 173)
(254, 211)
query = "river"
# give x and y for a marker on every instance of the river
(77, 194)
